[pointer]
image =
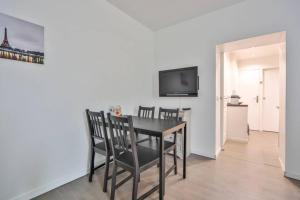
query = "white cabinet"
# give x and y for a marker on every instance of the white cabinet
(237, 123)
(184, 115)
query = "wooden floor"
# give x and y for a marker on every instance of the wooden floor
(243, 171)
(262, 148)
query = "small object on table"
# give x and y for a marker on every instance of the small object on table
(118, 111)
(115, 110)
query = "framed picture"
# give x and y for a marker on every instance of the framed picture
(21, 40)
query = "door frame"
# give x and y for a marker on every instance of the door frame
(274, 38)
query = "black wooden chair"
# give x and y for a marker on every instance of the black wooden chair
(127, 155)
(145, 112)
(169, 144)
(99, 142)
(170, 114)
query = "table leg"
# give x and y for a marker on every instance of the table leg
(184, 152)
(161, 168)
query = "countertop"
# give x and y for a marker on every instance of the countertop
(237, 105)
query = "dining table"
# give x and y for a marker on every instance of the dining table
(160, 129)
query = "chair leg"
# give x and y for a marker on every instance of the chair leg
(92, 166)
(156, 138)
(113, 182)
(175, 154)
(175, 160)
(106, 173)
(135, 186)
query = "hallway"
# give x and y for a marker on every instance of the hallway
(262, 148)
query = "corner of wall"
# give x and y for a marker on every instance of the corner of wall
(292, 175)
(204, 154)
(55, 184)
(50, 186)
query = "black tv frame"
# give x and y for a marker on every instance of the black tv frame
(179, 94)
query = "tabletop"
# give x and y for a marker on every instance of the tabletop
(157, 126)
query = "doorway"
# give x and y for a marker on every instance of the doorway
(254, 70)
(259, 89)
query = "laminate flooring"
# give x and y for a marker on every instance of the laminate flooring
(241, 172)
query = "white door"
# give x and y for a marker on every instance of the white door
(270, 117)
(249, 93)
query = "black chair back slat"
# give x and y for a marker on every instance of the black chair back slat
(146, 112)
(123, 136)
(120, 135)
(97, 129)
(168, 114)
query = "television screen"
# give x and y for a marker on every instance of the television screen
(178, 82)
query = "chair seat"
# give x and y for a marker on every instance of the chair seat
(145, 157)
(154, 144)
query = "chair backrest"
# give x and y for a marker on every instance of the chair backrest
(97, 126)
(168, 114)
(123, 137)
(146, 112)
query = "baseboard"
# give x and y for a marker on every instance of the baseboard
(201, 153)
(50, 186)
(54, 184)
(292, 175)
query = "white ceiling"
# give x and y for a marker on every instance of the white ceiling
(256, 52)
(157, 14)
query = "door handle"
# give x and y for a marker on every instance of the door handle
(257, 99)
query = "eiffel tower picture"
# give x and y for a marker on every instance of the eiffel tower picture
(5, 43)
(20, 45)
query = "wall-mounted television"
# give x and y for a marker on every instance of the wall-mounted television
(181, 82)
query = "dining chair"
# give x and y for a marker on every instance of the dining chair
(128, 155)
(145, 112)
(165, 113)
(99, 142)
(170, 114)
(169, 145)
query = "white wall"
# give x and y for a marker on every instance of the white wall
(231, 75)
(260, 62)
(194, 43)
(96, 56)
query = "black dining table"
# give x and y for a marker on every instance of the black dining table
(161, 128)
